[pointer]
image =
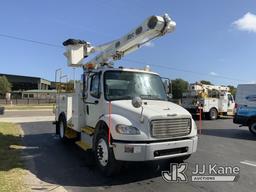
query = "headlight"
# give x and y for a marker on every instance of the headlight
(127, 130)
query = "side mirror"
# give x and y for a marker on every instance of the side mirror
(137, 102)
(169, 97)
(167, 85)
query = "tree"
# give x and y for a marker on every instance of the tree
(232, 89)
(5, 85)
(206, 82)
(179, 86)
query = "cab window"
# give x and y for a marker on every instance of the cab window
(95, 85)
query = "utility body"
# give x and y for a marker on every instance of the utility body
(212, 100)
(122, 114)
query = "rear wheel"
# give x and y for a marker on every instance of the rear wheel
(62, 125)
(252, 127)
(213, 114)
(104, 156)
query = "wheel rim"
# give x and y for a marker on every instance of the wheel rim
(253, 127)
(61, 130)
(102, 152)
(213, 114)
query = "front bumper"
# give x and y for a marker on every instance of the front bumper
(154, 151)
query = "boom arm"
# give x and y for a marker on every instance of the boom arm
(152, 28)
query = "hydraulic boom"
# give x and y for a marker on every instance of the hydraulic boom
(151, 28)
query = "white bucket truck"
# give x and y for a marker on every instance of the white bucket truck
(212, 100)
(122, 114)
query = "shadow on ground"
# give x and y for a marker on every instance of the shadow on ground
(230, 133)
(9, 157)
(65, 164)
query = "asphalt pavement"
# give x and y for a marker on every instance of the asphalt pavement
(221, 143)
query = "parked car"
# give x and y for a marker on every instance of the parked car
(246, 106)
(1, 110)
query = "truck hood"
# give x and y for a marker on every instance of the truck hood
(152, 109)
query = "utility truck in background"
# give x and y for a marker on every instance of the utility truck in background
(212, 100)
(121, 114)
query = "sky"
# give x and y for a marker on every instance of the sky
(213, 40)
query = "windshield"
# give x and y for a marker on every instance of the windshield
(121, 85)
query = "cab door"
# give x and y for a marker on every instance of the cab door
(94, 100)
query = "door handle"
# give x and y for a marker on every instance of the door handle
(92, 103)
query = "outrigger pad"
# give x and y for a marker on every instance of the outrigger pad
(74, 42)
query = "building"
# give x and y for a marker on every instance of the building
(39, 94)
(21, 83)
(29, 87)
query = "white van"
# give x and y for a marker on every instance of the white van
(246, 106)
(246, 95)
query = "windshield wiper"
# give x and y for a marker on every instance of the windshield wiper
(119, 97)
(150, 97)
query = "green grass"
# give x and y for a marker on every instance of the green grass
(12, 169)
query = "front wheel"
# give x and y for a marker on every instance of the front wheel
(252, 127)
(104, 156)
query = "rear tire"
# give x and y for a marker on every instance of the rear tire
(62, 126)
(57, 128)
(213, 114)
(104, 156)
(252, 127)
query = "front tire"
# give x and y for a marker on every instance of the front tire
(252, 127)
(104, 156)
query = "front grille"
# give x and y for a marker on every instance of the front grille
(165, 128)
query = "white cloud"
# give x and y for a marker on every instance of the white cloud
(246, 23)
(149, 44)
(251, 82)
(213, 73)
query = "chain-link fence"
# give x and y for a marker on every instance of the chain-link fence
(28, 101)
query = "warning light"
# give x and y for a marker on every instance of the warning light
(147, 68)
(90, 66)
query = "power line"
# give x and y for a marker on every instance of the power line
(128, 60)
(183, 70)
(30, 40)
